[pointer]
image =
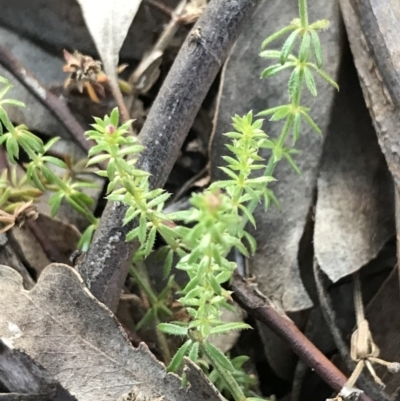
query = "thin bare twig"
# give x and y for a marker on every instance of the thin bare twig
(329, 316)
(148, 70)
(248, 299)
(108, 260)
(162, 7)
(55, 105)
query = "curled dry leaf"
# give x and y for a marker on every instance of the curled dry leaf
(80, 343)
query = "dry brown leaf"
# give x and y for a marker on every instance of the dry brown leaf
(355, 211)
(81, 345)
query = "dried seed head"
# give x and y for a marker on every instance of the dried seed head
(82, 67)
(85, 72)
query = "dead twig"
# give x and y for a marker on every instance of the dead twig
(108, 260)
(148, 70)
(330, 318)
(52, 103)
(162, 7)
(245, 296)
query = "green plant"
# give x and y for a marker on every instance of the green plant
(218, 216)
(39, 177)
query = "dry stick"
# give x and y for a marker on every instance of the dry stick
(248, 299)
(330, 318)
(55, 105)
(108, 260)
(162, 7)
(155, 54)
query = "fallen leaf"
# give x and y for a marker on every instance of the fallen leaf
(108, 23)
(78, 341)
(9, 257)
(23, 377)
(60, 25)
(355, 211)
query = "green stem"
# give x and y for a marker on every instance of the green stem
(143, 282)
(229, 380)
(303, 13)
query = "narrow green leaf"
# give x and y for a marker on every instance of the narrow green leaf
(225, 328)
(274, 69)
(168, 263)
(12, 149)
(55, 202)
(311, 122)
(296, 127)
(288, 45)
(215, 285)
(230, 173)
(132, 234)
(147, 319)
(294, 82)
(114, 117)
(173, 329)
(178, 357)
(248, 214)
(251, 241)
(150, 241)
(292, 163)
(217, 357)
(97, 159)
(270, 54)
(305, 48)
(320, 24)
(325, 76)
(281, 113)
(194, 352)
(310, 83)
(277, 35)
(316, 44)
(142, 228)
